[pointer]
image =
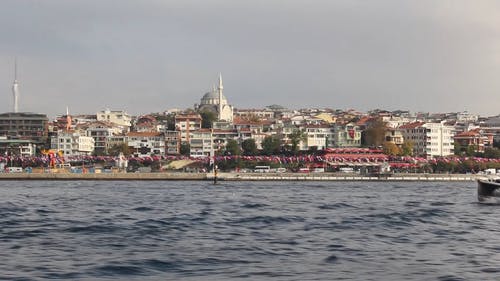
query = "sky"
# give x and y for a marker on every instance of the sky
(146, 56)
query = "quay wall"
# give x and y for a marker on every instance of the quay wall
(237, 176)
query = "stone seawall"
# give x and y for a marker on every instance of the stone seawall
(237, 177)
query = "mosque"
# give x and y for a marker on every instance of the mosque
(216, 102)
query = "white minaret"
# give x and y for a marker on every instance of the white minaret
(15, 89)
(220, 95)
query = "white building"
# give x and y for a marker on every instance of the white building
(429, 139)
(348, 135)
(100, 131)
(201, 143)
(146, 143)
(120, 118)
(72, 143)
(318, 136)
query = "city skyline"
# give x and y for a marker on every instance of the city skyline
(150, 56)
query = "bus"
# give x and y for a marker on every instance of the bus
(262, 169)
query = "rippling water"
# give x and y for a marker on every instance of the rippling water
(246, 230)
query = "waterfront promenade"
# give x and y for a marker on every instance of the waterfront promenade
(238, 176)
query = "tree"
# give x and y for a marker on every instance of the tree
(496, 143)
(117, 148)
(471, 149)
(170, 119)
(375, 134)
(271, 145)
(407, 148)
(249, 147)
(185, 149)
(391, 148)
(312, 149)
(207, 118)
(492, 153)
(295, 138)
(457, 148)
(233, 148)
(253, 118)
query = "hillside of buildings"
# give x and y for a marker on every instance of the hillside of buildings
(240, 138)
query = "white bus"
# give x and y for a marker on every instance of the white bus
(262, 169)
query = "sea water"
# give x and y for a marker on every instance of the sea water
(173, 230)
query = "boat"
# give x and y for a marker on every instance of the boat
(488, 190)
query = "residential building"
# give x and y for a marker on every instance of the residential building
(146, 143)
(115, 140)
(254, 114)
(201, 143)
(348, 135)
(317, 136)
(187, 123)
(172, 142)
(24, 148)
(395, 136)
(100, 131)
(72, 143)
(146, 123)
(118, 117)
(429, 139)
(24, 126)
(477, 139)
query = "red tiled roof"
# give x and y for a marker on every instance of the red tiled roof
(411, 125)
(363, 120)
(471, 133)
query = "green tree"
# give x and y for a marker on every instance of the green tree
(117, 148)
(457, 149)
(374, 135)
(496, 143)
(207, 118)
(233, 148)
(185, 149)
(296, 137)
(249, 147)
(492, 153)
(407, 148)
(170, 119)
(271, 145)
(471, 149)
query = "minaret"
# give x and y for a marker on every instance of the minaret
(220, 96)
(15, 89)
(68, 120)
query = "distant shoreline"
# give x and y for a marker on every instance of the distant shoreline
(237, 177)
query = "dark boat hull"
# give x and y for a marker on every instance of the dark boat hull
(488, 190)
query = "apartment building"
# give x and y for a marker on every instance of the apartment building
(72, 143)
(187, 123)
(146, 143)
(26, 126)
(429, 139)
(118, 117)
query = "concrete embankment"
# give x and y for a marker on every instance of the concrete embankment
(103, 176)
(237, 176)
(344, 177)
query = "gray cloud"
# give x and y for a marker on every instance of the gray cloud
(146, 56)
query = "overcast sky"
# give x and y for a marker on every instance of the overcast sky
(151, 55)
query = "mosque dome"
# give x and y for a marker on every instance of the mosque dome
(212, 98)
